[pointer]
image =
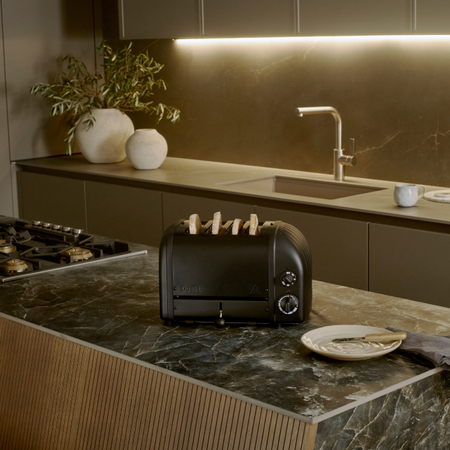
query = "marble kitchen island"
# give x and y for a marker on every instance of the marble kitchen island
(241, 387)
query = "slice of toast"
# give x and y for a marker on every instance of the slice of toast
(217, 223)
(253, 229)
(195, 224)
(237, 226)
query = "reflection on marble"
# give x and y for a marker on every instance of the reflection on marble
(115, 305)
(416, 417)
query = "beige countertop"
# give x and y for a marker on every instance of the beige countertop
(208, 176)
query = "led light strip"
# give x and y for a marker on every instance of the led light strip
(293, 39)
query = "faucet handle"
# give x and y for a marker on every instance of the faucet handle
(352, 151)
(349, 160)
(352, 147)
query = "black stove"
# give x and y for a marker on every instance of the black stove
(32, 248)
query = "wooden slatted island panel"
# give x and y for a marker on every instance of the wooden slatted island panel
(58, 393)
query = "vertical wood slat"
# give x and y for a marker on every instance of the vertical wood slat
(249, 429)
(56, 394)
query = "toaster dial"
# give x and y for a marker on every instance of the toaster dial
(288, 304)
(288, 278)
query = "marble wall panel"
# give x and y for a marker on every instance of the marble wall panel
(238, 98)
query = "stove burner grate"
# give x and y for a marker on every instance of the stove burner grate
(38, 247)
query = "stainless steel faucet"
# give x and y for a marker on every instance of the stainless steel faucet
(340, 160)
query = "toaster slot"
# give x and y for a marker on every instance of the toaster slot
(207, 228)
(228, 227)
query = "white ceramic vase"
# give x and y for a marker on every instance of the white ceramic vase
(105, 141)
(146, 149)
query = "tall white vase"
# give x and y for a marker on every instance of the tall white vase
(146, 149)
(105, 141)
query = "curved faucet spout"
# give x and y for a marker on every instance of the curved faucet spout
(324, 110)
(339, 158)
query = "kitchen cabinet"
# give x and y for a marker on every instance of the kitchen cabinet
(180, 206)
(124, 212)
(409, 263)
(243, 18)
(112, 210)
(354, 17)
(389, 255)
(53, 199)
(432, 16)
(146, 19)
(339, 247)
(6, 204)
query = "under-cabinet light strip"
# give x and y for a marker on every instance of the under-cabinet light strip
(293, 39)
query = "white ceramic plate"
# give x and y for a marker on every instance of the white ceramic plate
(442, 196)
(321, 341)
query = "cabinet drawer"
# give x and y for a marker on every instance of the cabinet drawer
(124, 212)
(432, 16)
(240, 18)
(412, 264)
(355, 17)
(148, 19)
(338, 246)
(51, 199)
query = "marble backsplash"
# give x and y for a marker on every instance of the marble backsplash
(238, 100)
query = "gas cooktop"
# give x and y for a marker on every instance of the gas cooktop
(32, 248)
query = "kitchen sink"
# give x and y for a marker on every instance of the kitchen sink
(303, 186)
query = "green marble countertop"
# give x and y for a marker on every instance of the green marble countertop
(115, 305)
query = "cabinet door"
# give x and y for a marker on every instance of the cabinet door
(124, 212)
(354, 17)
(179, 206)
(6, 203)
(51, 199)
(240, 18)
(338, 246)
(411, 264)
(146, 19)
(432, 16)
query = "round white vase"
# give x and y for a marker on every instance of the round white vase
(105, 141)
(146, 149)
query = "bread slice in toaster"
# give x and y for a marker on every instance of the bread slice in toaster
(195, 224)
(237, 226)
(253, 229)
(217, 223)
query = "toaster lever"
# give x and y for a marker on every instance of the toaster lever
(220, 322)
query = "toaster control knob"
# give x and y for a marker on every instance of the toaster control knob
(288, 304)
(288, 279)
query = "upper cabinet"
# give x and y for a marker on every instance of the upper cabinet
(355, 17)
(148, 19)
(247, 18)
(432, 16)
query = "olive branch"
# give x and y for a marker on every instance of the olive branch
(127, 85)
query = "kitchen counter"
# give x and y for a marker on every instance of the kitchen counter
(115, 306)
(208, 176)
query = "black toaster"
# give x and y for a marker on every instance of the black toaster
(235, 279)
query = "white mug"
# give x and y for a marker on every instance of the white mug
(406, 195)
